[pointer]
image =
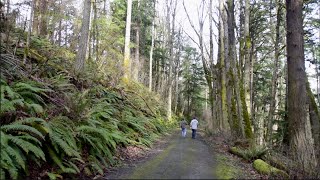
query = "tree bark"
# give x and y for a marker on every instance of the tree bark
(151, 52)
(300, 139)
(136, 64)
(83, 43)
(43, 28)
(237, 125)
(222, 56)
(26, 50)
(315, 121)
(212, 94)
(247, 47)
(273, 89)
(36, 15)
(127, 62)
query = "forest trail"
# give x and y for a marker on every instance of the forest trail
(181, 158)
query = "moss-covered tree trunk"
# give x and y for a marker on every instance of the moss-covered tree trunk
(222, 60)
(315, 121)
(300, 139)
(236, 107)
(247, 47)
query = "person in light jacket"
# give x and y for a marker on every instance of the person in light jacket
(194, 126)
(183, 125)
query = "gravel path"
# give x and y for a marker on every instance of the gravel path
(181, 158)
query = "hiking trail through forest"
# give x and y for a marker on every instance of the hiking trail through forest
(181, 158)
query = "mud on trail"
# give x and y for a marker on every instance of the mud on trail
(177, 158)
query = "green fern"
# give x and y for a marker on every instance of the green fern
(17, 141)
(62, 138)
(20, 128)
(27, 146)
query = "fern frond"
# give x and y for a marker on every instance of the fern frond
(6, 160)
(17, 156)
(35, 107)
(2, 173)
(95, 164)
(56, 158)
(6, 106)
(31, 120)
(53, 176)
(62, 136)
(30, 139)
(21, 86)
(21, 128)
(10, 93)
(58, 142)
(27, 146)
(13, 171)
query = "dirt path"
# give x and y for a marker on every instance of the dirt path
(181, 158)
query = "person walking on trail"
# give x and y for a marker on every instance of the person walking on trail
(194, 126)
(183, 125)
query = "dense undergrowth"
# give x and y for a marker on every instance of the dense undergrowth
(55, 124)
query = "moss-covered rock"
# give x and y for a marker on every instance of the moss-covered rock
(264, 168)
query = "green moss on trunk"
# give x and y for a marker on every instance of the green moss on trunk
(246, 117)
(264, 168)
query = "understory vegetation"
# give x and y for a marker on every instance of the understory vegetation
(55, 124)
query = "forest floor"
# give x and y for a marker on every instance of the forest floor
(175, 157)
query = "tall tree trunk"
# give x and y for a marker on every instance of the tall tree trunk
(222, 56)
(83, 43)
(212, 95)
(236, 110)
(36, 15)
(127, 62)
(136, 64)
(26, 51)
(247, 47)
(151, 52)
(43, 28)
(60, 33)
(177, 68)
(96, 34)
(171, 54)
(273, 89)
(300, 139)
(315, 121)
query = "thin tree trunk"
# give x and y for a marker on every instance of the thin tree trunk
(212, 95)
(273, 89)
(315, 121)
(300, 139)
(151, 52)
(247, 47)
(136, 63)
(60, 33)
(81, 54)
(26, 50)
(127, 62)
